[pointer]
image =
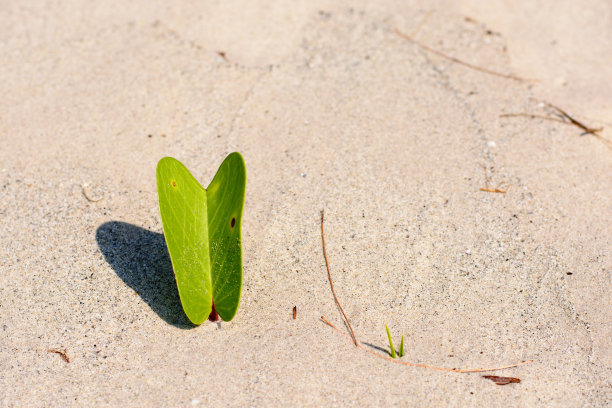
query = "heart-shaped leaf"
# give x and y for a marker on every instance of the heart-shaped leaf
(203, 235)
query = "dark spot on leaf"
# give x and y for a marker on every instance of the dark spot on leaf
(173, 183)
(233, 222)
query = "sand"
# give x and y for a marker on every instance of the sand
(332, 110)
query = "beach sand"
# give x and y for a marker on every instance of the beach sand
(333, 110)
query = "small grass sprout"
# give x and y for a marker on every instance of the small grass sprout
(401, 350)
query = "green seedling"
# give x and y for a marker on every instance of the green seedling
(390, 342)
(401, 350)
(203, 235)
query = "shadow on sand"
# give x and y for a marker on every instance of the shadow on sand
(140, 258)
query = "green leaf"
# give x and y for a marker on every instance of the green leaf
(390, 342)
(401, 350)
(225, 196)
(203, 234)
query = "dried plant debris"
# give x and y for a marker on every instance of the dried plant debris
(346, 319)
(573, 121)
(62, 354)
(457, 60)
(502, 380)
(223, 55)
(556, 114)
(488, 187)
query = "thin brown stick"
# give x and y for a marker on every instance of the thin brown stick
(569, 120)
(492, 190)
(488, 188)
(565, 118)
(502, 380)
(574, 121)
(62, 353)
(330, 280)
(458, 61)
(455, 370)
(532, 116)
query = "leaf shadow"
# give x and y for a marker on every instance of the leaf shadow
(140, 258)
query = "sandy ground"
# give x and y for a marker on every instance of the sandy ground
(330, 109)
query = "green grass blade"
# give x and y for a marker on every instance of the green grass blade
(183, 208)
(390, 342)
(225, 200)
(401, 350)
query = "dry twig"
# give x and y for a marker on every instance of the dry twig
(358, 345)
(455, 370)
(563, 117)
(330, 279)
(458, 61)
(62, 353)
(532, 116)
(574, 121)
(502, 380)
(488, 188)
